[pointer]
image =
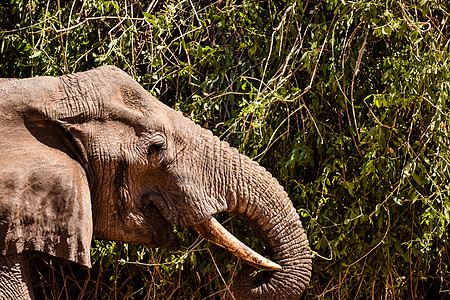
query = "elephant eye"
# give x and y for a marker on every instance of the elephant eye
(156, 148)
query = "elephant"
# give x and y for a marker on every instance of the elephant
(94, 153)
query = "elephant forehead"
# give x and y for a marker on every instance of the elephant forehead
(111, 141)
(109, 133)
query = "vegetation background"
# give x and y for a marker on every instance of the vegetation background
(345, 102)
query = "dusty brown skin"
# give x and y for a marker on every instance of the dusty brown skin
(94, 153)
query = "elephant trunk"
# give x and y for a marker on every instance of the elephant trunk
(253, 194)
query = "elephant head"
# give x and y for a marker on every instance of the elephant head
(94, 153)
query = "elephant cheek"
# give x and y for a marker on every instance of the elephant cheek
(160, 231)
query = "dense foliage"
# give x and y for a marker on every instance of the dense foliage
(345, 102)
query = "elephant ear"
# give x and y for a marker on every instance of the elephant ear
(44, 193)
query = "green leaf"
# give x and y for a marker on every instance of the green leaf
(36, 53)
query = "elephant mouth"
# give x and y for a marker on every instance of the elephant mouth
(162, 230)
(211, 230)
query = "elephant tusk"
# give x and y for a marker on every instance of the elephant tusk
(213, 231)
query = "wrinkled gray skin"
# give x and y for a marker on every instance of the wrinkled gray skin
(94, 153)
(15, 281)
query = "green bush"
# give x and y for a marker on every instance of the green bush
(343, 101)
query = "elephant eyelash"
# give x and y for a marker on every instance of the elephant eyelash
(157, 147)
